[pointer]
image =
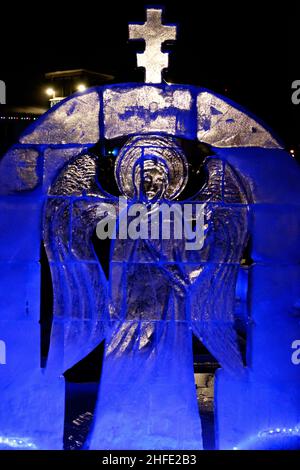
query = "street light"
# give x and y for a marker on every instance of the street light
(50, 92)
(81, 87)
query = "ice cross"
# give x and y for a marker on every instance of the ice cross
(154, 34)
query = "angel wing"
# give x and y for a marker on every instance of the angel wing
(214, 274)
(80, 313)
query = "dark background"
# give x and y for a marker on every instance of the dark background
(243, 51)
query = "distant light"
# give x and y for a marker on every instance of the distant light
(292, 151)
(50, 92)
(81, 87)
(113, 152)
(16, 118)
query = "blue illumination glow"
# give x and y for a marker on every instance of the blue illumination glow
(277, 438)
(158, 296)
(16, 443)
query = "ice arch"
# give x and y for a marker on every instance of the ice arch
(70, 129)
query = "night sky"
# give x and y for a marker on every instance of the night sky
(244, 53)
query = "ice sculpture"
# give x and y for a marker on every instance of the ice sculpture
(153, 302)
(158, 293)
(32, 397)
(145, 109)
(154, 33)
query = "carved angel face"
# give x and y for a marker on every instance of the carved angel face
(154, 181)
(150, 167)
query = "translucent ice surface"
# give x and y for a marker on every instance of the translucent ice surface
(74, 121)
(19, 171)
(223, 125)
(143, 109)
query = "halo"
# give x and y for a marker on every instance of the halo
(147, 147)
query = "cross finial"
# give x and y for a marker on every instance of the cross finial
(154, 34)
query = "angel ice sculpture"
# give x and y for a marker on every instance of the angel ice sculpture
(157, 295)
(158, 292)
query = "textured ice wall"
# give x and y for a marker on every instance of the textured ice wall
(223, 124)
(31, 398)
(266, 400)
(32, 401)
